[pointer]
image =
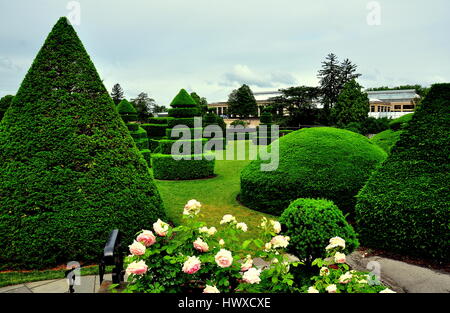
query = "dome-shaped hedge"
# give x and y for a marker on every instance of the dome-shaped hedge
(323, 162)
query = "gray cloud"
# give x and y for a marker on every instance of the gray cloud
(161, 46)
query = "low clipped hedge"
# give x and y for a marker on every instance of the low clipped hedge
(165, 145)
(140, 133)
(168, 132)
(159, 120)
(167, 168)
(184, 112)
(155, 130)
(387, 139)
(320, 162)
(405, 205)
(133, 126)
(146, 153)
(310, 223)
(400, 122)
(142, 144)
(188, 122)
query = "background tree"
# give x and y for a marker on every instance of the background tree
(5, 102)
(333, 77)
(201, 101)
(352, 105)
(144, 106)
(300, 103)
(348, 72)
(117, 94)
(242, 102)
(159, 109)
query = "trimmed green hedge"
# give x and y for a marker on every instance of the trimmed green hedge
(165, 145)
(159, 120)
(146, 153)
(133, 127)
(183, 112)
(183, 100)
(317, 162)
(400, 122)
(192, 130)
(405, 205)
(65, 185)
(387, 139)
(310, 223)
(166, 168)
(155, 130)
(188, 122)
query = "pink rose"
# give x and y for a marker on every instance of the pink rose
(200, 245)
(224, 258)
(137, 248)
(160, 228)
(146, 238)
(247, 264)
(137, 268)
(192, 265)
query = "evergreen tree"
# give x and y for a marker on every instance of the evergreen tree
(69, 171)
(330, 81)
(202, 103)
(143, 104)
(242, 102)
(348, 72)
(333, 77)
(352, 105)
(5, 102)
(117, 94)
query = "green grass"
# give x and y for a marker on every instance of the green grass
(387, 139)
(15, 278)
(217, 195)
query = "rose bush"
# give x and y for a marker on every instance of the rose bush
(335, 275)
(194, 258)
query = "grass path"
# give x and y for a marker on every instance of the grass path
(217, 195)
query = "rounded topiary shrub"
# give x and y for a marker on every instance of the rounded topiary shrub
(319, 162)
(310, 223)
(69, 170)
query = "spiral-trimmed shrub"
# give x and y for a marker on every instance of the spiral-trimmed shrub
(321, 162)
(166, 166)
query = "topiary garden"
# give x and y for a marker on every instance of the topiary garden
(69, 170)
(321, 162)
(405, 205)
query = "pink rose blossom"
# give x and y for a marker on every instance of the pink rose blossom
(137, 248)
(192, 265)
(137, 268)
(146, 238)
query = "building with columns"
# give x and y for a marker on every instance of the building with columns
(387, 103)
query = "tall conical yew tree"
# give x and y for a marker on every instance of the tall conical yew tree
(69, 170)
(405, 205)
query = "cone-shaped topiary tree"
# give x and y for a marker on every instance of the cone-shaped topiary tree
(69, 171)
(127, 111)
(194, 163)
(405, 206)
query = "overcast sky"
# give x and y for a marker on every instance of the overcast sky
(214, 46)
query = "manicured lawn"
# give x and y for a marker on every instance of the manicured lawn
(217, 195)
